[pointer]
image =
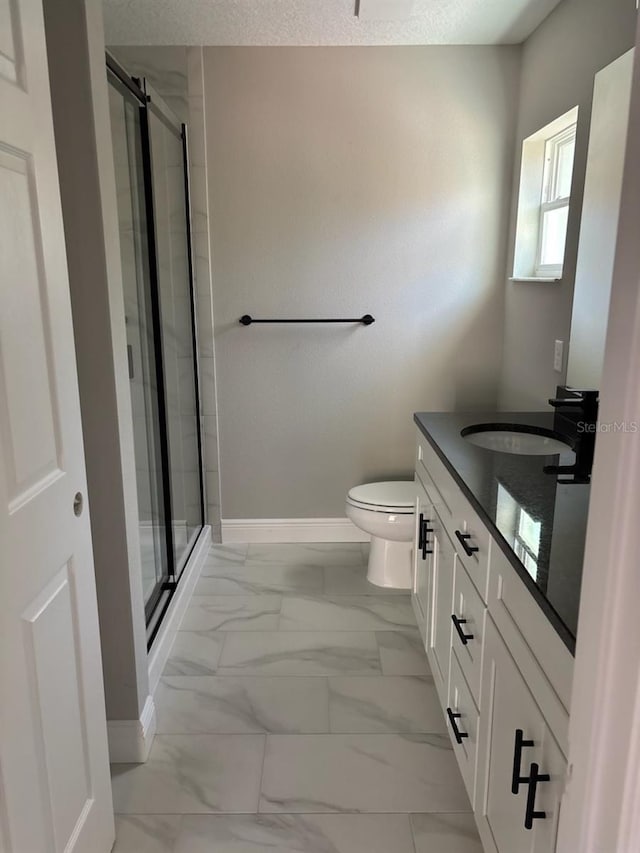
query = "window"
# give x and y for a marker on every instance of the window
(543, 201)
(554, 206)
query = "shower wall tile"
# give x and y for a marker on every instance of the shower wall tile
(208, 387)
(210, 440)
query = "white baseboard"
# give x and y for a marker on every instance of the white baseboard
(130, 740)
(291, 530)
(159, 652)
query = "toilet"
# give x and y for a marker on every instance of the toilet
(386, 511)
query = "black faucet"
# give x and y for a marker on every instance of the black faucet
(578, 409)
(586, 402)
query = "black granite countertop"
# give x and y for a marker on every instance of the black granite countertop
(526, 510)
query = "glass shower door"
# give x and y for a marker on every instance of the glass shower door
(166, 140)
(152, 190)
(141, 353)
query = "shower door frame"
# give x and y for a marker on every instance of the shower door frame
(158, 603)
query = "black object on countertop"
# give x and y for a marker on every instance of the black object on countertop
(520, 503)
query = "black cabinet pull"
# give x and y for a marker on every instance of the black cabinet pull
(420, 531)
(424, 522)
(458, 623)
(531, 814)
(458, 735)
(469, 550)
(516, 778)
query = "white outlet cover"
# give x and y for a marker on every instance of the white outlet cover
(558, 352)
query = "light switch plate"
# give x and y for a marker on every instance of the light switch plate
(558, 353)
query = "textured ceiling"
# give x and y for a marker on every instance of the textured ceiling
(321, 22)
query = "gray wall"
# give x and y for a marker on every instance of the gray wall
(559, 63)
(345, 181)
(87, 184)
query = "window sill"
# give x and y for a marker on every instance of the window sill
(539, 278)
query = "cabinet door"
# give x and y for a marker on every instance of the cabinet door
(439, 626)
(515, 738)
(422, 555)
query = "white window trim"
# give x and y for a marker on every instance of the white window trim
(536, 185)
(549, 201)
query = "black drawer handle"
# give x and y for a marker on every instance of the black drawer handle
(422, 536)
(458, 623)
(531, 814)
(469, 550)
(458, 735)
(516, 778)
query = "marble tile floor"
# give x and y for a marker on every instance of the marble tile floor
(296, 714)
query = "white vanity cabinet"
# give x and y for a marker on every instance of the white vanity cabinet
(502, 673)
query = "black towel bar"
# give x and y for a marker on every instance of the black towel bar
(366, 320)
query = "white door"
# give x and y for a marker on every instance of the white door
(54, 783)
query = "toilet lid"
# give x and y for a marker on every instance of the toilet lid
(399, 494)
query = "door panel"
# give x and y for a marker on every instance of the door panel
(510, 706)
(53, 750)
(421, 564)
(30, 434)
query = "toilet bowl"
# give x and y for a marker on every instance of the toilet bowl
(386, 512)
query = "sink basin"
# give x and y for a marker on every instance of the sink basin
(515, 438)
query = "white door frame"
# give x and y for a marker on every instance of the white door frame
(601, 809)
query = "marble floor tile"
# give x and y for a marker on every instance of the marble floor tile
(195, 653)
(146, 833)
(192, 774)
(232, 613)
(361, 773)
(226, 555)
(385, 704)
(307, 554)
(445, 833)
(346, 613)
(300, 653)
(256, 580)
(245, 704)
(326, 833)
(402, 653)
(352, 580)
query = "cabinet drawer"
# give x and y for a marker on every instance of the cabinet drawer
(463, 729)
(468, 618)
(469, 535)
(472, 542)
(441, 487)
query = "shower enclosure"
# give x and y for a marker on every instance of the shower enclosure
(152, 191)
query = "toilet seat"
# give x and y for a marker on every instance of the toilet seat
(396, 497)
